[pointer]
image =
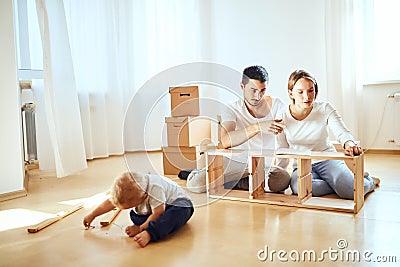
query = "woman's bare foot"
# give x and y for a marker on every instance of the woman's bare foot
(143, 238)
(132, 230)
(377, 181)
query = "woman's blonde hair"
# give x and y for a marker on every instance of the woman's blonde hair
(126, 190)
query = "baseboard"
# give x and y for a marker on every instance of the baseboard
(382, 151)
(18, 193)
(144, 151)
(12, 195)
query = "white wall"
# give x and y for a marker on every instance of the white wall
(280, 35)
(11, 157)
(284, 35)
(380, 117)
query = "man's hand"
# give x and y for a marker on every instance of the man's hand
(274, 126)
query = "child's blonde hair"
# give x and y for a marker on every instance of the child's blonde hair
(125, 189)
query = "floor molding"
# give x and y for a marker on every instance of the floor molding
(12, 195)
(382, 151)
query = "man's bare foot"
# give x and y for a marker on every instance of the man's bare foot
(132, 230)
(143, 238)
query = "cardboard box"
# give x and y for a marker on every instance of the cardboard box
(185, 101)
(188, 131)
(177, 158)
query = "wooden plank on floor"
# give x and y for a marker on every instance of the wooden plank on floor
(37, 227)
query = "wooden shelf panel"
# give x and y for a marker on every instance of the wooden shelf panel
(322, 203)
(355, 164)
(272, 153)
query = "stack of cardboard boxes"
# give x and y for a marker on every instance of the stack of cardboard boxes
(187, 131)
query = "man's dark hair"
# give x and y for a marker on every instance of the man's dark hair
(258, 73)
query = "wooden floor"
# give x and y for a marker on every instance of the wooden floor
(221, 232)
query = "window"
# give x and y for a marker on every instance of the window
(29, 46)
(383, 41)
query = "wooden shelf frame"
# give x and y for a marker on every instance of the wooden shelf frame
(304, 199)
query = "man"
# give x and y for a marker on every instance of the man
(250, 123)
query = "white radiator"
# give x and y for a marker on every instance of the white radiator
(29, 132)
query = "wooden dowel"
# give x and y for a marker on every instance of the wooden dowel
(110, 217)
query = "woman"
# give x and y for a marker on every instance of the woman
(307, 128)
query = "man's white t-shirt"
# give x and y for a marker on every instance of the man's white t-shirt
(237, 112)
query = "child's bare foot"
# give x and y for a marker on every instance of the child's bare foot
(143, 238)
(132, 230)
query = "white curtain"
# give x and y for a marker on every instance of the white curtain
(344, 50)
(62, 107)
(99, 73)
(115, 46)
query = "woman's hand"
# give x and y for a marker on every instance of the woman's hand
(352, 149)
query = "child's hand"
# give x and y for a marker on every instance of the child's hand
(87, 220)
(132, 230)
